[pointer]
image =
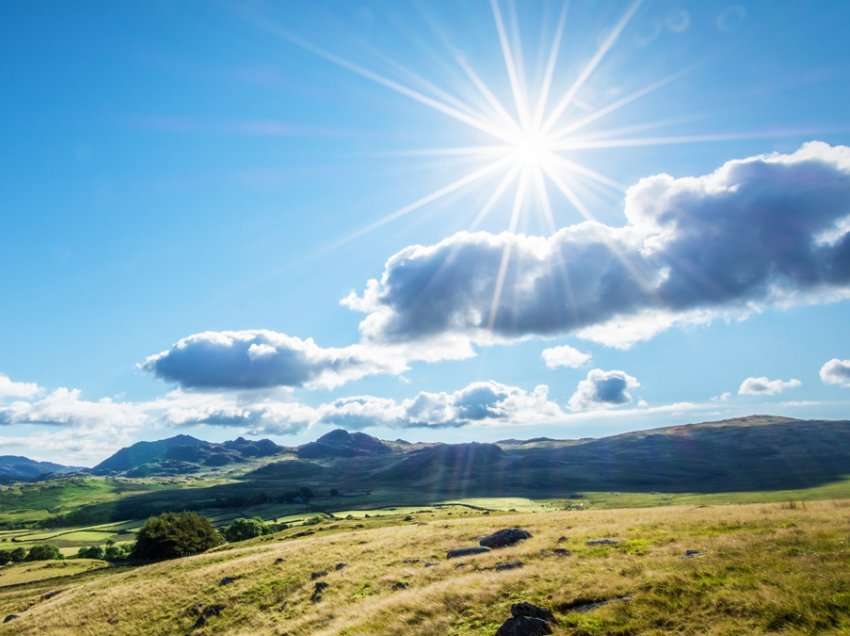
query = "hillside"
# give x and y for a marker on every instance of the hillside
(742, 455)
(182, 454)
(15, 468)
(684, 570)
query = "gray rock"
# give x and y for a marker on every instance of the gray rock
(693, 554)
(504, 538)
(508, 565)
(10, 617)
(602, 542)
(462, 552)
(524, 626)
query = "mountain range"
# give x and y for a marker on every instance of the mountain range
(15, 468)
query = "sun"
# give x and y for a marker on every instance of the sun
(533, 140)
(532, 149)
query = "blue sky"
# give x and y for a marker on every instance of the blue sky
(207, 168)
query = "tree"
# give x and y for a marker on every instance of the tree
(90, 552)
(43, 552)
(242, 529)
(19, 554)
(175, 534)
(114, 552)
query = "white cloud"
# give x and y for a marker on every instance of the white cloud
(253, 359)
(11, 389)
(836, 372)
(766, 386)
(477, 403)
(564, 356)
(603, 389)
(724, 245)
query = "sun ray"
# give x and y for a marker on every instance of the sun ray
(485, 91)
(617, 105)
(549, 218)
(447, 151)
(494, 197)
(550, 67)
(578, 168)
(397, 87)
(588, 144)
(519, 202)
(423, 201)
(606, 45)
(510, 64)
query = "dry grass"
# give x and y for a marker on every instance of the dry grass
(766, 568)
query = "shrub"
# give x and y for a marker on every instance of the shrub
(19, 554)
(90, 552)
(242, 529)
(175, 534)
(114, 552)
(43, 552)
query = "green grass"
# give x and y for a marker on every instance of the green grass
(765, 568)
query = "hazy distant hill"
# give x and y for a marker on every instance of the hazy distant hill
(340, 443)
(755, 453)
(14, 468)
(182, 454)
(750, 453)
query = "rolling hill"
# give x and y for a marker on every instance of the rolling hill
(748, 454)
(182, 454)
(15, 468)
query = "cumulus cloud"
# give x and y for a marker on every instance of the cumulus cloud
(254, 359)
(65, 407)
(479, 402)
(564, 356)
(761, 231)
(254, 412)
(766, 386)
(603, 389)
(836, 372)
(12, 389)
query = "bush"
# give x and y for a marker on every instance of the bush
(43, 552)
(114, 552)
(175, 534)
(90, 552)
(242, 529)
(19, 554)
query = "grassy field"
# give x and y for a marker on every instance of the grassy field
(761, 568)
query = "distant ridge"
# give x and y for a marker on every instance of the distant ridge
(182, 454)
(341, 443)
(17, 468)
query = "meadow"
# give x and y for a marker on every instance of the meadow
(752, 568)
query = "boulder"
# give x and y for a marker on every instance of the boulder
(524, 626)
(508, 565)
(318, 574)
(530, 610)
(602, 542)
(10, 617)
(205, 612)
(504, 538)
(318, 588)
(462, 552)
(227, 580)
